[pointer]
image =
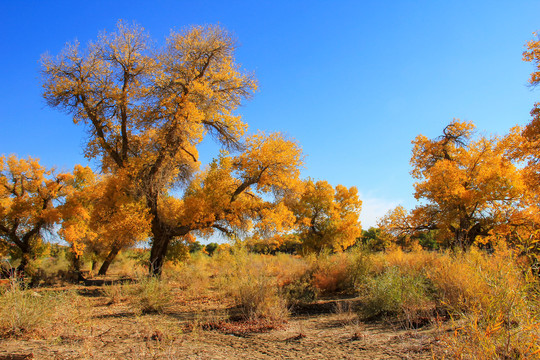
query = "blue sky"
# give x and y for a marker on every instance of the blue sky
(353, 81)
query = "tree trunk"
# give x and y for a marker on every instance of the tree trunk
(162, 235)
(76, 264)
(160, 244)
(24, 262)
(108, 260)
(25, 258)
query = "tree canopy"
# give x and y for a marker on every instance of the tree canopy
(327, 217)
(31, 202)
(468, 185)
(147, 109)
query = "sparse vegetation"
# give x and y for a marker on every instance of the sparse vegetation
(26, 311)
(458, 273)
(488, 301)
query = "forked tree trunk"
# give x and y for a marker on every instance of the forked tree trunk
(162, 235)
(108, 260)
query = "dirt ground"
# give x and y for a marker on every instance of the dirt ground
(326, 331)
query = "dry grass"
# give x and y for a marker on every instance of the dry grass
(250, 281)
(494, 305)
(488, 300)
(26, 312)
(144, 296)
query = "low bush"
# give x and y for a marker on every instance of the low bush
(117, 293)
(493, 304)
(340, 273)
(397, 294)
(25, 311)
(147, 295)
(299, 290)
(193, 276)
(150, 295)
(249, 281)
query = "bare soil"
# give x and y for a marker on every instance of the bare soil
(323, 331)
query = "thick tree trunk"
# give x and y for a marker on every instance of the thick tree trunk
(25, 258)
(160, 244)
(162, 235)
(108, 260)
(76, 263)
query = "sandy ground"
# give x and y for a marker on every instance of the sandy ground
(115, 332)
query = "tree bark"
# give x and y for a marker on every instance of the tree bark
(25, 258)
(108, 260)
(162, 235)
(24, 262)
(76, 263)
(160, 244)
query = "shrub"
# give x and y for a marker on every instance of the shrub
(116, 293)
(340, 273)
(495, 308)
(24, 311)
(257, 296)
(150, 295)
(299, 290)
(477, 339)
(467, 282)
(398, 294)
(459, 283)
(249, 281)
(193, 276)
(331, 274)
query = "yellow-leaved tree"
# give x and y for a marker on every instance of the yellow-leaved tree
(396, 228)
(240, 194)
(327, 218)
(526, 141)
(101, 216)
(30, 198)
(468, 186)
(523, 145)
(147, 108)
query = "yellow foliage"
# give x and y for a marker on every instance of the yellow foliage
(103, 215)
(29, 196)
(327, 218)
(231, 195)
(470, 186)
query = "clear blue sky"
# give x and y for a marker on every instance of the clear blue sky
(353, 81)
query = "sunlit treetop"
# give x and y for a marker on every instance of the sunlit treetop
(145, 106)
(327, 218)
(524, 143)
(31, 201)
(468, 184)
